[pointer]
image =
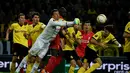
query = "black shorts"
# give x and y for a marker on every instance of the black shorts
(90, 55)
(69, 55)
(19, 50)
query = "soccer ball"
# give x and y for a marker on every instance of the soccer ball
(77, 21)
(101, 18)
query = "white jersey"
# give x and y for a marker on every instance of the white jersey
(41, 45)
(52, 29)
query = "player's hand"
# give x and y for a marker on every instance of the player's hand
(26, 35)
(64, 32)
(119, 45)
(77, 21)
(6, 39)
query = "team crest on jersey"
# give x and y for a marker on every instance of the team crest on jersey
(96, 35)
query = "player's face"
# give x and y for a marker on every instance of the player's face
(21, 19)
(35, 19)
(56, 15)
(87, 26)
(106, 33)
(76, 27)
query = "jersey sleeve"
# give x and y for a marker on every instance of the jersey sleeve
(43, 25)
(112, 38)
(97, 35)
(12, 26)
(61, 23)
(79, 35)
(127, 27)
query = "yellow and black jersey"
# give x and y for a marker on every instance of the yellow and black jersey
(18, 34)
(69, 42)
(127, 40)
(99, 37)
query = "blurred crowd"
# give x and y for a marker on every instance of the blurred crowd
(115, 10)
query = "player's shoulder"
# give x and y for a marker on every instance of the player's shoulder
(52, 19)
(100, 32)
(14, 24)
(128, 24)
(111, 35)
(70, 29)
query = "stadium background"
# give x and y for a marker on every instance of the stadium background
(117, 12)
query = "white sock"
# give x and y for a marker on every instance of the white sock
(23, 62)
(35, 67)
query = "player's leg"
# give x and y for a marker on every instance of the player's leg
(74, 59)
(23, 51)
(92, 56)
(14, 57)
(30, 63)
(89, 56)
(42, 52)
(12, 67)
(84, 67)
(95, 65)
(54, 61)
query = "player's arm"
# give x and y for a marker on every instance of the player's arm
(66, 34)
(77, 37)
(62, 43)
(8, 31)
(65, 23)
(95, 38)
(43, 26)
(95, 42)
(114, 40)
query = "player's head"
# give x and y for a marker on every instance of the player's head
(76, 27)
(55, 14)
(21, 18)
(86, 26)
(35, 17)
(108, 29)
(63, 12)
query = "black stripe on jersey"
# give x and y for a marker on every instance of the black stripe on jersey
(94, 38)
(114, 39)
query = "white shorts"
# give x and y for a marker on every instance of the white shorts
(39, 48)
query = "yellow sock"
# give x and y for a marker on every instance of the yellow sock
(29, 67)
(71, 70)
(81, 70)
(92, 68)
(12, 70)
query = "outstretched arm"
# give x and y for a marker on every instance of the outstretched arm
(7, 34)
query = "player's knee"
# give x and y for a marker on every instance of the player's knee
(38, 59)
(79, 63)
(73, 63)
(33, 59)
(86, 65)
(99, 61)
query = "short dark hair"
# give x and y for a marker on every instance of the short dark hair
(21, 14)
(54, 10)
(35, 13)
(85, 22)
(63, 11)
(110, 28)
